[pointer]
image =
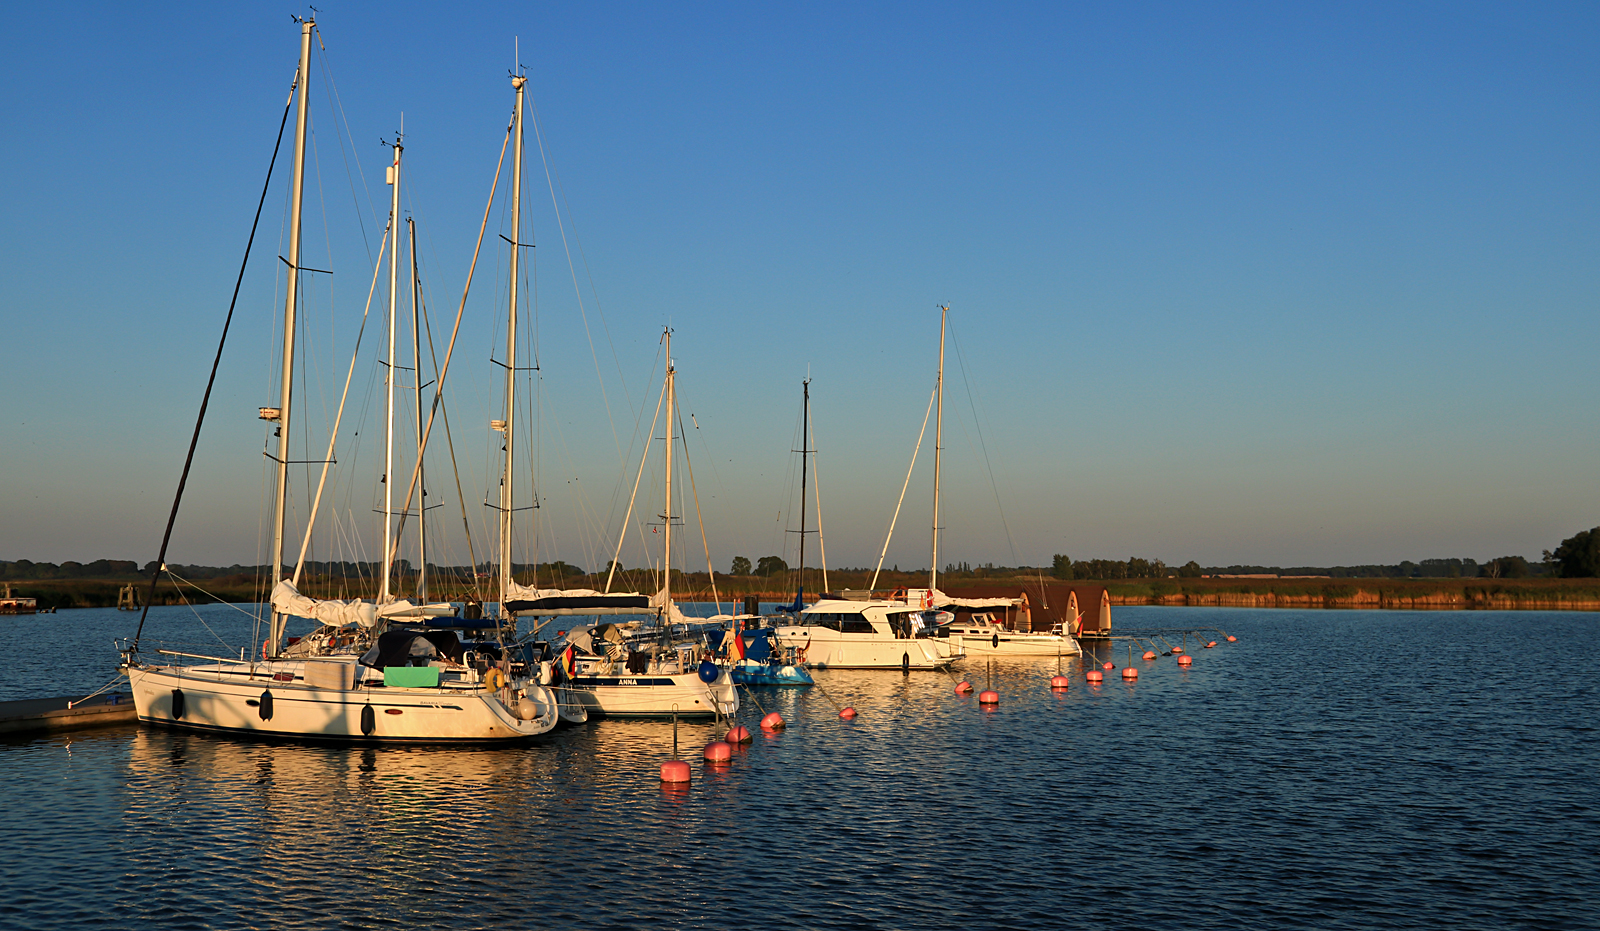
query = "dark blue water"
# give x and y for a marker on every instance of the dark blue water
(1332, 769)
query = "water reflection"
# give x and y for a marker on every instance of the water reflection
(1276, 782)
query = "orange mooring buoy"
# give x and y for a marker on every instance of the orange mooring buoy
(1060, 682)
(988, 697)
(1108, 664)
(1149, 654)
(1185, 660)
(773, 722)
(1232, 638)
(1092, 675)
(847, 713)
(718, 752)
(674, 771)
(1128, 672)
(963, 687)
(1211, 644)
(739, 734)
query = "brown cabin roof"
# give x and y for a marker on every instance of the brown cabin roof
(1047, 601)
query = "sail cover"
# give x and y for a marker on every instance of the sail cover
(941, 600)
(286, 599)
(548, 602)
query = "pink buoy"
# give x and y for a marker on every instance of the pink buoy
(739, 734)
(674, 771)
(1149, 654)
(718, 752)
(1185, 660)
(1092, 675)
(988, 697)
(1060, 682)
(1128, 672)
(773, 722)
(963, 687)
(1108, 664)
(849, 714)
(1232, 638)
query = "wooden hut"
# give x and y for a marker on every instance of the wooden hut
(1084, 610)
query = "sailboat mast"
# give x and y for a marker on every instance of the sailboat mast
(938, 444)
(292, 294)
(384, 595)
(666, 530)
(506, 498)
(416, 362)
(805, 451)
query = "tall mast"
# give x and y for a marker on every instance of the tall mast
(805, 449)
(506, 581)
(666, 518)
(938, 444)
(416, 362)
(292, 294)
(384, 595)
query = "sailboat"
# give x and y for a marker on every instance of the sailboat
(630, 669)
(360, 675)
(892, 633)
(752, 658)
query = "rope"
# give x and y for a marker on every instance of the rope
(205, 401)
(115, 680)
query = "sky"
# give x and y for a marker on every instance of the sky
(1282, 284)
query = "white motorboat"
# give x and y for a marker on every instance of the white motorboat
(355, 677)
(840, 634)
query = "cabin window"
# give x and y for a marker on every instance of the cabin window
(855, 624)
(830, 621)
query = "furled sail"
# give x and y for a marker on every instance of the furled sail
(524, 599)
(286, 599)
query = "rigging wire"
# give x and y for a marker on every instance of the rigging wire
(689, 466)
(582, 313)
(438, 392)
(890, 536)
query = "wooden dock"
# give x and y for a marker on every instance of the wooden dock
(52, 714)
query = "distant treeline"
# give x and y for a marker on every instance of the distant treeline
(1577, 557)
(1504, 567)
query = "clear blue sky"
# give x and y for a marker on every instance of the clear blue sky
(1294, 284)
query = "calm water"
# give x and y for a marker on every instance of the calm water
(1333, 769)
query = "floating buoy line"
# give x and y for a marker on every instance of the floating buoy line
(1096, 660)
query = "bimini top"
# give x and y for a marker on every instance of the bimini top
(555, 602)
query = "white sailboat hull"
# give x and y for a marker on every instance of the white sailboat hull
(1015, 645)
(655, 695)
(1002, 643)
(230, 698)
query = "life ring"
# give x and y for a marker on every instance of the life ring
(494, 680)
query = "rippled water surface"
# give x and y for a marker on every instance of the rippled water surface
(1332, 769)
